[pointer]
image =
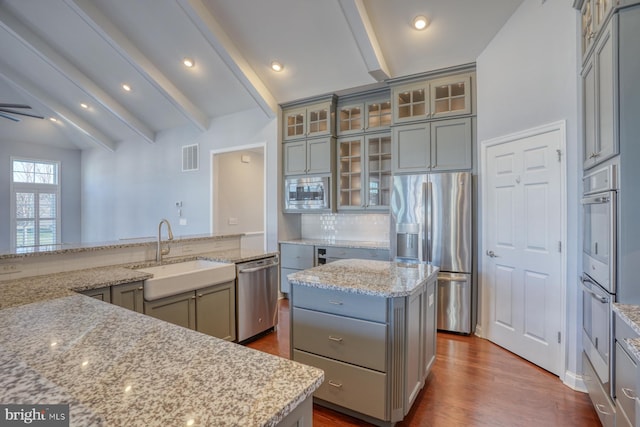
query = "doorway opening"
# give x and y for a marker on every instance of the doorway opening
(238, 194)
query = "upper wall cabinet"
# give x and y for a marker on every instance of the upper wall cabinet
(313, 156)
(432, 99)
(309, 121)
(360, 116)
(600, 100)
(594, 15)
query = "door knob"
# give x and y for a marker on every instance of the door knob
(492, 254)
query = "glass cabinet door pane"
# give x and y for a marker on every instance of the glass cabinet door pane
(295, 125)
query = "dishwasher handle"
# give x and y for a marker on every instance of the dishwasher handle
(273, 263)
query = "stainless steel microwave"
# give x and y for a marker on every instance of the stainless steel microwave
(302, 194)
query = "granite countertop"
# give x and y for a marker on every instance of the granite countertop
(354, 244)
(378, 278)
(117, 367)
(41, 288)
(630, 314)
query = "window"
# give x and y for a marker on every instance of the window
(35, 204)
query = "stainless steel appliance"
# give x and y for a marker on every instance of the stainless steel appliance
(257, 297)
(307, 193)
(599, 264)
(431, 221)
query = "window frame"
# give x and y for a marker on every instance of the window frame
(37, 189)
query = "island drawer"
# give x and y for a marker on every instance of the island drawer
(352, 387)
(365, 307)
(355, 341)
(625, 375)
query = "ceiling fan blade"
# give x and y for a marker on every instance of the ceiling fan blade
(14, 106)
(6, 116)
(5, 110)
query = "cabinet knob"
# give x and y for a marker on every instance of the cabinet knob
(193, 297)
(141, 288)
(200, 295)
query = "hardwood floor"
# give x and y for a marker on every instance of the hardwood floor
(473, 383)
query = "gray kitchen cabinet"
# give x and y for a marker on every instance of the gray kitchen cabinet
(376, 352)
(364, 172)
(293, 257)
(450, 96)
(312, 156)
(411, 102)
(439, 145)
(209, 310)
(600, 103)
(128, 295)
(327, 254)
(103, 294)
(451, 144)
(626, 375)
(177, 309)
(216, 311)
(365, 116)
(312, 120)
(411, 148)
(594, 14)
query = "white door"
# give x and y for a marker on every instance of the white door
(523, 289)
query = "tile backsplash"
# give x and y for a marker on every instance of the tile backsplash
(359, 227)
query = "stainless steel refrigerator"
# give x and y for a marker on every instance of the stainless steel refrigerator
(431, 221)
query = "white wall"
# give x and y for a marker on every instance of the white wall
(239, 193)
(127, 192)
(528, 76)
(69, 184)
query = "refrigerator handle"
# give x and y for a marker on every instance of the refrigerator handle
(428, 213)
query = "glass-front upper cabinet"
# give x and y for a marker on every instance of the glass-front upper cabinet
(378, 114)
(411, 102)
(310, 121)
(350, 119)
(378, 189)
(451, 96)
(350, 172)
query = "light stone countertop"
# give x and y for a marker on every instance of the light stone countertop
(41, 288)
(354, 244)
(116, 367)
(377, 278)
(630, 314)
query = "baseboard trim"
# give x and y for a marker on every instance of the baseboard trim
(574, 381)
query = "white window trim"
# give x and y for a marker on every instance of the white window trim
(25, 186)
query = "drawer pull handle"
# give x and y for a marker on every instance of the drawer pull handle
(336, 339)
(601, 408)
(629, 393)
(335, 302)
(336, 385)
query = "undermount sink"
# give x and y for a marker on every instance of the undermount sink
(173, 279)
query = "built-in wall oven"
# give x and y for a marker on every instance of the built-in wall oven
(599, 208)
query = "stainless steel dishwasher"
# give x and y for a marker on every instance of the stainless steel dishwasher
(257, 297)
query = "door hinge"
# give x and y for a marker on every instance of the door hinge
(559, 246)
(559, 337)
(559, 154)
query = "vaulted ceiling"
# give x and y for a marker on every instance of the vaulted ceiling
(56, 55)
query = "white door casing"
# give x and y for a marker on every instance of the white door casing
(523, 235)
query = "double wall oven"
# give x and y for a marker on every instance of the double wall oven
(599, 206)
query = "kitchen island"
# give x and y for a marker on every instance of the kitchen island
(117, 367)
(371, 326)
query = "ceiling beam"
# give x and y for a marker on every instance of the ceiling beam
(230, 54)
(123, 47)
(78, 124)
(362, 30)
(73, 75)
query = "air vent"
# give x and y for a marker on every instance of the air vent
(189, 158)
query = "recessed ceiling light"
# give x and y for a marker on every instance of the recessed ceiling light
(420, 22)
(53, 119)
(276, 66)
(83, 105)
(188, 62)
(126, 87)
